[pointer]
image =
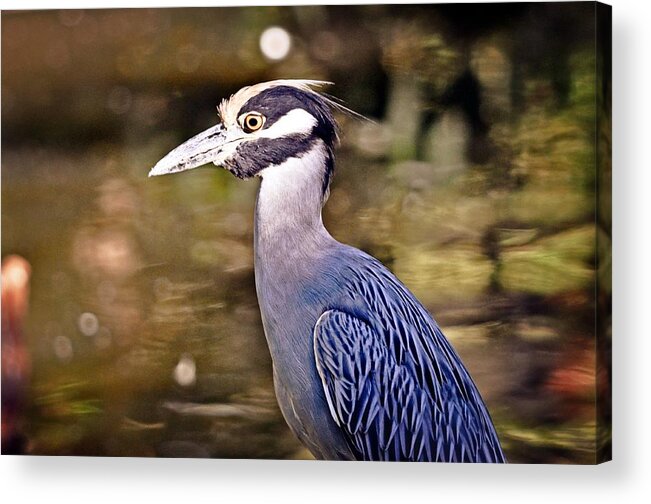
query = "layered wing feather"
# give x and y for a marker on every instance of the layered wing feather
(394, 384)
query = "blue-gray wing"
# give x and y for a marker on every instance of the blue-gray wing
(413, 409)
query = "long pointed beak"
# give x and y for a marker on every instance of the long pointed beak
(201, 149)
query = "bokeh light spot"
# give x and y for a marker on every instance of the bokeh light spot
(185, 372)
(275, 43)
(88, 324)
(62, 348)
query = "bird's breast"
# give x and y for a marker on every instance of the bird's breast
(290, 305)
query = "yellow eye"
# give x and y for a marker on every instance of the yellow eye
(252, 121)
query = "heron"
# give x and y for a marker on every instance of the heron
(361, 369)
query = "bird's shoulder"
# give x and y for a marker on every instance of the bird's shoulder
(376, 292)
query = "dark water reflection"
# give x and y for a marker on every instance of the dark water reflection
(143, 325)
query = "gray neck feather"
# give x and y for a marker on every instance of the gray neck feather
(290, 245)
(288, 224)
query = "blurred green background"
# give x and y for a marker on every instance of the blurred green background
(475, 184)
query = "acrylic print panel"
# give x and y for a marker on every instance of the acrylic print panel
(151, 316)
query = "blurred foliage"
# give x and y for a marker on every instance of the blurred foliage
(475, 183)
(550, 265)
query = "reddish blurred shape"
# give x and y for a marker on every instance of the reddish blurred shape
(574, 382)
(16, 365)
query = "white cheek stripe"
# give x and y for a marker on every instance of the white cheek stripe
(294, 122)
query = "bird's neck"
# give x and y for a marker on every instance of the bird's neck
(288, 210)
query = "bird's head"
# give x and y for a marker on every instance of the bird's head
(262, 126)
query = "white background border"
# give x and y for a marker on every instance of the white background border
(627, 479)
